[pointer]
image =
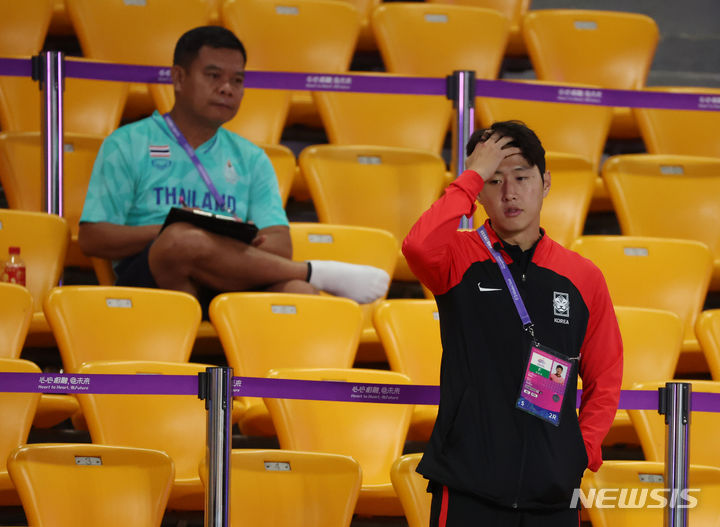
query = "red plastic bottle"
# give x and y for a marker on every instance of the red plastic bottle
(14, 271)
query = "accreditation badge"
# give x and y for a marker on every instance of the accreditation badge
(545, 383)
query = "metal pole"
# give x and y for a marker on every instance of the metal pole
(675, 405)
(50, 71)
(215, 388)
(461, 90)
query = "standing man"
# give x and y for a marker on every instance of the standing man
(145, 168)
(508, 447)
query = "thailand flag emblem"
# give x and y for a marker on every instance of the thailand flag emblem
(159, 150)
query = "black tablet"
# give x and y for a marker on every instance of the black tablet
(225, 225)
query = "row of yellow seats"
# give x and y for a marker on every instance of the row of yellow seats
(342, 425)
(317, 488)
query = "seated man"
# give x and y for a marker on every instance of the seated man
(145, 168)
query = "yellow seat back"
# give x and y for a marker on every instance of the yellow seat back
(682, 204)
(305, 36)
(707, 329)
(84, 485)
(409, 331)
(262, 331)
(652, 339)
(43, 240)
(134, 32)
(411, 488)
(660, 273)
(89, 106)
(683, 132)
(175, 424)
(22, 176)
(562, 127)
(386, 119)
(316, 488)
(24, 26)
(93, 323)
(16, 309)
(514, 10)
(641, 485)
(449, 39)
(17, 411)
(382, 187)
(352, 244)
(371, 433)
(611, 49)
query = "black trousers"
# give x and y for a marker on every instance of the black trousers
(451, 508)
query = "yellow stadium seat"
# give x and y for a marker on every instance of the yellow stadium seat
(707, 329)
(16, 309)
(642, 486)
(175, 424)
(94, 323)
(17, 411)
(610, 49)
(410, 333)
(316, 36)
(569, 128)
(23, 26)
(43, 241)
(22, 176)
(372, 433)
(514, 10)
(650, 427)
(135, 33)
(84, 485)
(382, 187)
(411, 488)
(315, 488)
(668, 196)
(660, 273)
(352, 244)
(683, 132)
(449, 39)
(262, 331)
(652, 339)
(89, 106)
(565, 208)
(386, 119)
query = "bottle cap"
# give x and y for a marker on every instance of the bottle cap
(13, 250)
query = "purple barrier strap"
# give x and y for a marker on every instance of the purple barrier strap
(117, 72)
(597, 96)
(335, 391)
(16, 67)
(345, 82)
(705, 402)
(99, 383)
(153, 384)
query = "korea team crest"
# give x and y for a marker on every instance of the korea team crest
(561, 304)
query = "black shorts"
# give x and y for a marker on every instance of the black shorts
(134, 271)
(451, 508)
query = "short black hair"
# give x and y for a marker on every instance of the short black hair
(523, 138)
(189, 44)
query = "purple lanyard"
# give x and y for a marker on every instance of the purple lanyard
(190, 151)
(510, 281)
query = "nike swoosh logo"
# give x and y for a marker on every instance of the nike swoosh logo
(486, 289)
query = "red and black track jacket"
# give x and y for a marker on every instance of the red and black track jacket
(481, 443)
